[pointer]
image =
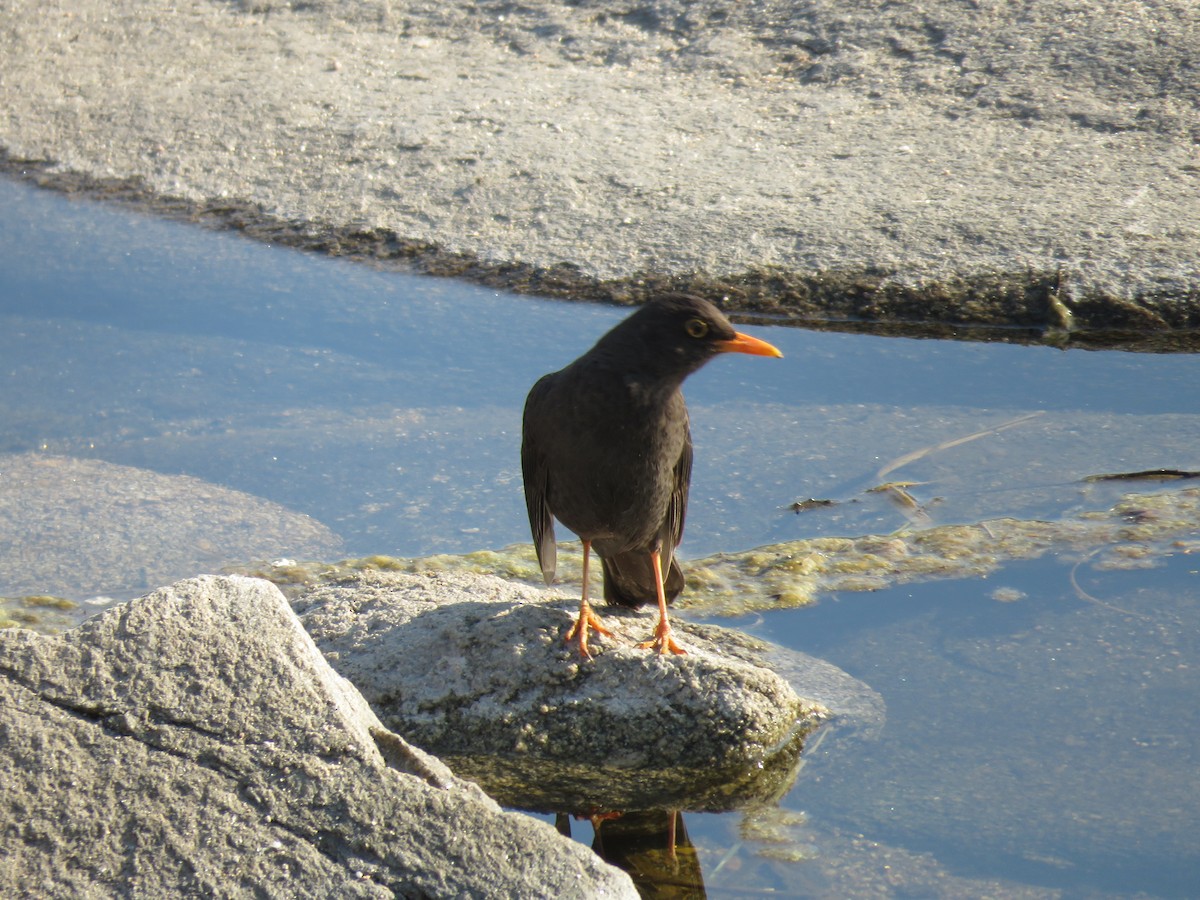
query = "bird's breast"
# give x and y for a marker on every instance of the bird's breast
(612, 466)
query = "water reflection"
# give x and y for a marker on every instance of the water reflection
(655, 849)
(388, 407)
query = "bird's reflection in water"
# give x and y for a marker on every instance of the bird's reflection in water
(647, 838)
(652, 846)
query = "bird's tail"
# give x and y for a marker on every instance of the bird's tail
(629, 579)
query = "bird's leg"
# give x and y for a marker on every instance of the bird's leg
(662, 640)
(587, 619)
(671, 855)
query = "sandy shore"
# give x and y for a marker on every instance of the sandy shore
(941, 162)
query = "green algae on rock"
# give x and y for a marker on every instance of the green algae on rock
(38, 612)
(1135, 532)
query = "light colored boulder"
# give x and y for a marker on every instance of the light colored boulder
(474, 669)
(196, 742)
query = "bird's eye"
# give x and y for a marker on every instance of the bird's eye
(696, 328)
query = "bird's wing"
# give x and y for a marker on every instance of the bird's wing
(672, 532)
(536, 475)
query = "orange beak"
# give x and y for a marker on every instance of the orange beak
(743, 343)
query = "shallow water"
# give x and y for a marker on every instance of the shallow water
(1038, 747)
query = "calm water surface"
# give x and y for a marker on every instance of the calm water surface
(1042, 747)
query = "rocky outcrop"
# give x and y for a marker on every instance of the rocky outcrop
(196, 742)
(940, 162)
(474, 669)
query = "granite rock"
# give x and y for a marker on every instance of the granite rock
(196, 742)
(941, 162)
(474, 669)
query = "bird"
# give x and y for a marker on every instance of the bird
(606, 450)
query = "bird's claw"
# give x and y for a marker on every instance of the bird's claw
(662, 641)
(579, 631)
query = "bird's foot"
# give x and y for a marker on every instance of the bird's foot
(662, 640)
(579, 631)
(598, 818)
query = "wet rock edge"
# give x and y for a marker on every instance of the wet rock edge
(1022, 307)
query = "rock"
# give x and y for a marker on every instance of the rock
(474, 669)
(940, 162)
(195, 742)
(171, 525)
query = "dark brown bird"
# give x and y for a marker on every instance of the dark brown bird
(606, 449)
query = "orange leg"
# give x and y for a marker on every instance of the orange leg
(671, 855)
(662, 640)
(587, 619)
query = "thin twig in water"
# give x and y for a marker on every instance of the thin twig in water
(946, 445)
(1088, 598)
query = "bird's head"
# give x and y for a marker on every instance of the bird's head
(676, 334)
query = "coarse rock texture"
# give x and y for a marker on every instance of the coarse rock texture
(195, 742)
(472, 666)
(1016, 163)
